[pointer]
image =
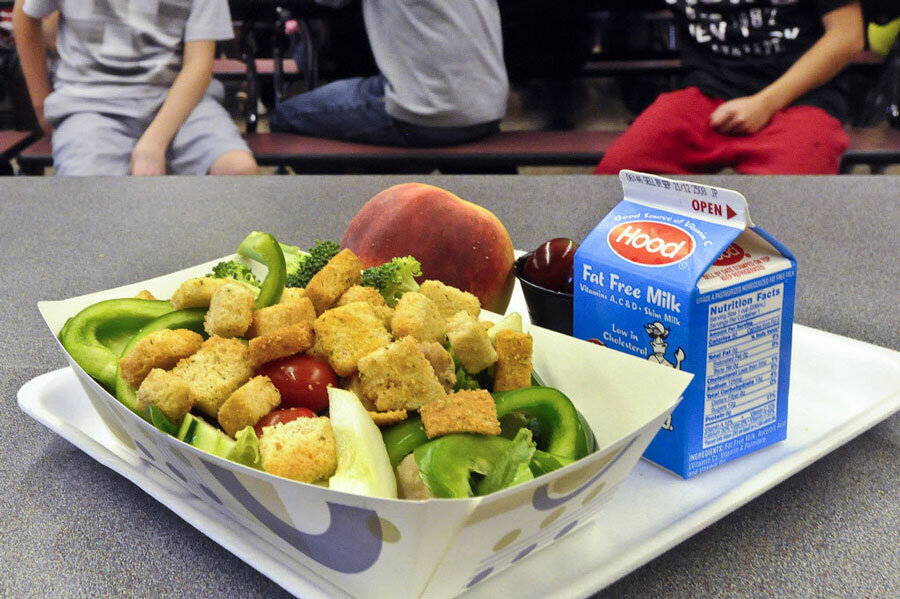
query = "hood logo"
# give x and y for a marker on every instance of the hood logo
(732, 255)
(650, 243)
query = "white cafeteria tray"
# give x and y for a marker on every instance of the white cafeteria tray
(651, 512)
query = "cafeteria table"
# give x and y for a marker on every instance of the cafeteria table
(70, 527)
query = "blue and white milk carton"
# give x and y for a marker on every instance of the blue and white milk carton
(678, 274)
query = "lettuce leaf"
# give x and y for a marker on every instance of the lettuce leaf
(246, 448)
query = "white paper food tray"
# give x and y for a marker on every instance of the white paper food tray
(651, 512)
(393, 548)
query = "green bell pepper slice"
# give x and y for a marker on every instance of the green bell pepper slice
(263, 247)
(563, 431)
(95, 336)
(188, 318)
(402, 438)
(560, 428)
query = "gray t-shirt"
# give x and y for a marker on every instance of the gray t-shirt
(127, 49)
(443, 59)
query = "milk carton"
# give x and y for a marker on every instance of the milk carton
(678, 274)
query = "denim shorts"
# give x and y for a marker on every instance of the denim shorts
(353, 110)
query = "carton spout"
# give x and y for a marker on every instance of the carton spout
(693, 200)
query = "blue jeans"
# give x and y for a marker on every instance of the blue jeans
(353, 110)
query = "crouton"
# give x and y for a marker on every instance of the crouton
(398, 376)
(347, 333)
(450, 300)
(196, 293)
(317, 351)
(513, 369)
(340, 274)
(442, 363)
(354, 385)
(218, 368)
(281, 343)
(370, 295)
(417, 316)
(167, 392)
(292, 294)
(160, 349)
(461, 412)
(470, 343)
(359, 293)
(270, 319)
(409, 484)
(144, 294)
(303, 449)
(388, 418)
(230, 311)
(249, 402)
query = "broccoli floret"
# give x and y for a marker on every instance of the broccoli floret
(465, 381)
(236, 271)
(393, 279)
(312, 262)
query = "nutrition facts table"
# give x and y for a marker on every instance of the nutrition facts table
(742, 364)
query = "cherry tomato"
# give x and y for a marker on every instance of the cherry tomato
(273, 418)
(302, 381)
(550, 265)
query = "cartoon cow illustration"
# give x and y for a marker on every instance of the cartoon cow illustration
(658, 333)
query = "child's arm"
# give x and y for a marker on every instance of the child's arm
(33, 56)
(843, 39)
(49, 26)
(149, 154)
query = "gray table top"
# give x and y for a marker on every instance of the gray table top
(70, 527)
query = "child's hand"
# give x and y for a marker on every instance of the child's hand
(148, 158)
(46, 127)
(741, 116)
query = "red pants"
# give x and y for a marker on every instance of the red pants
(673, 136)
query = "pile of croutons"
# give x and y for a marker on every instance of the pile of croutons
(396, 360)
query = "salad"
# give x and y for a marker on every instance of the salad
(363, 380)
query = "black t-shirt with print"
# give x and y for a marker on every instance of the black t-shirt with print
(735, 48)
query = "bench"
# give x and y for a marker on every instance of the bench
(877, 148)
(501, 153)
(866, 60)
(11, 144)
(234, 69)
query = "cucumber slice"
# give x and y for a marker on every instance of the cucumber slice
(510, 322)
(363, 467)
(202, 435)
(187, 429)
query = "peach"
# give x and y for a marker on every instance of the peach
(457, 242)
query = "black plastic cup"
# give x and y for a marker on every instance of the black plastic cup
(546, 308)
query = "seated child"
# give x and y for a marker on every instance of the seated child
(760, 91)
(132, 88)
(443, 79)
